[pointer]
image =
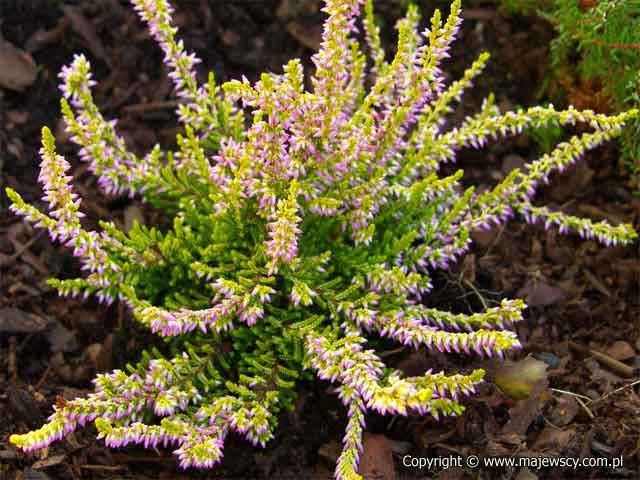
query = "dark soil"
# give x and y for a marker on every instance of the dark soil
(582, 297)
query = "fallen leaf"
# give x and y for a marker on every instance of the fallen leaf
(377, 458)
(48, 462)
(524, 413)
(14, 320)
(518, 379)
(621, 350)
(17, 68)
(553, 438)
(540, 294)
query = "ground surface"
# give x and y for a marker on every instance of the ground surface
(582, 297)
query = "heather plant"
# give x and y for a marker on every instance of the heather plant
(305, 225)
(597, 43)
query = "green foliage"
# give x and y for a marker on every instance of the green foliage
(595, 56)
(547, 137)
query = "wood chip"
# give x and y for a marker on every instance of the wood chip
(14, 320)
(48, 462)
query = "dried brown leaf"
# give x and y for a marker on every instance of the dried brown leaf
(18, 70)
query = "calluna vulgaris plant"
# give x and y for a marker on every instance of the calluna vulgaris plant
(294, 240)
